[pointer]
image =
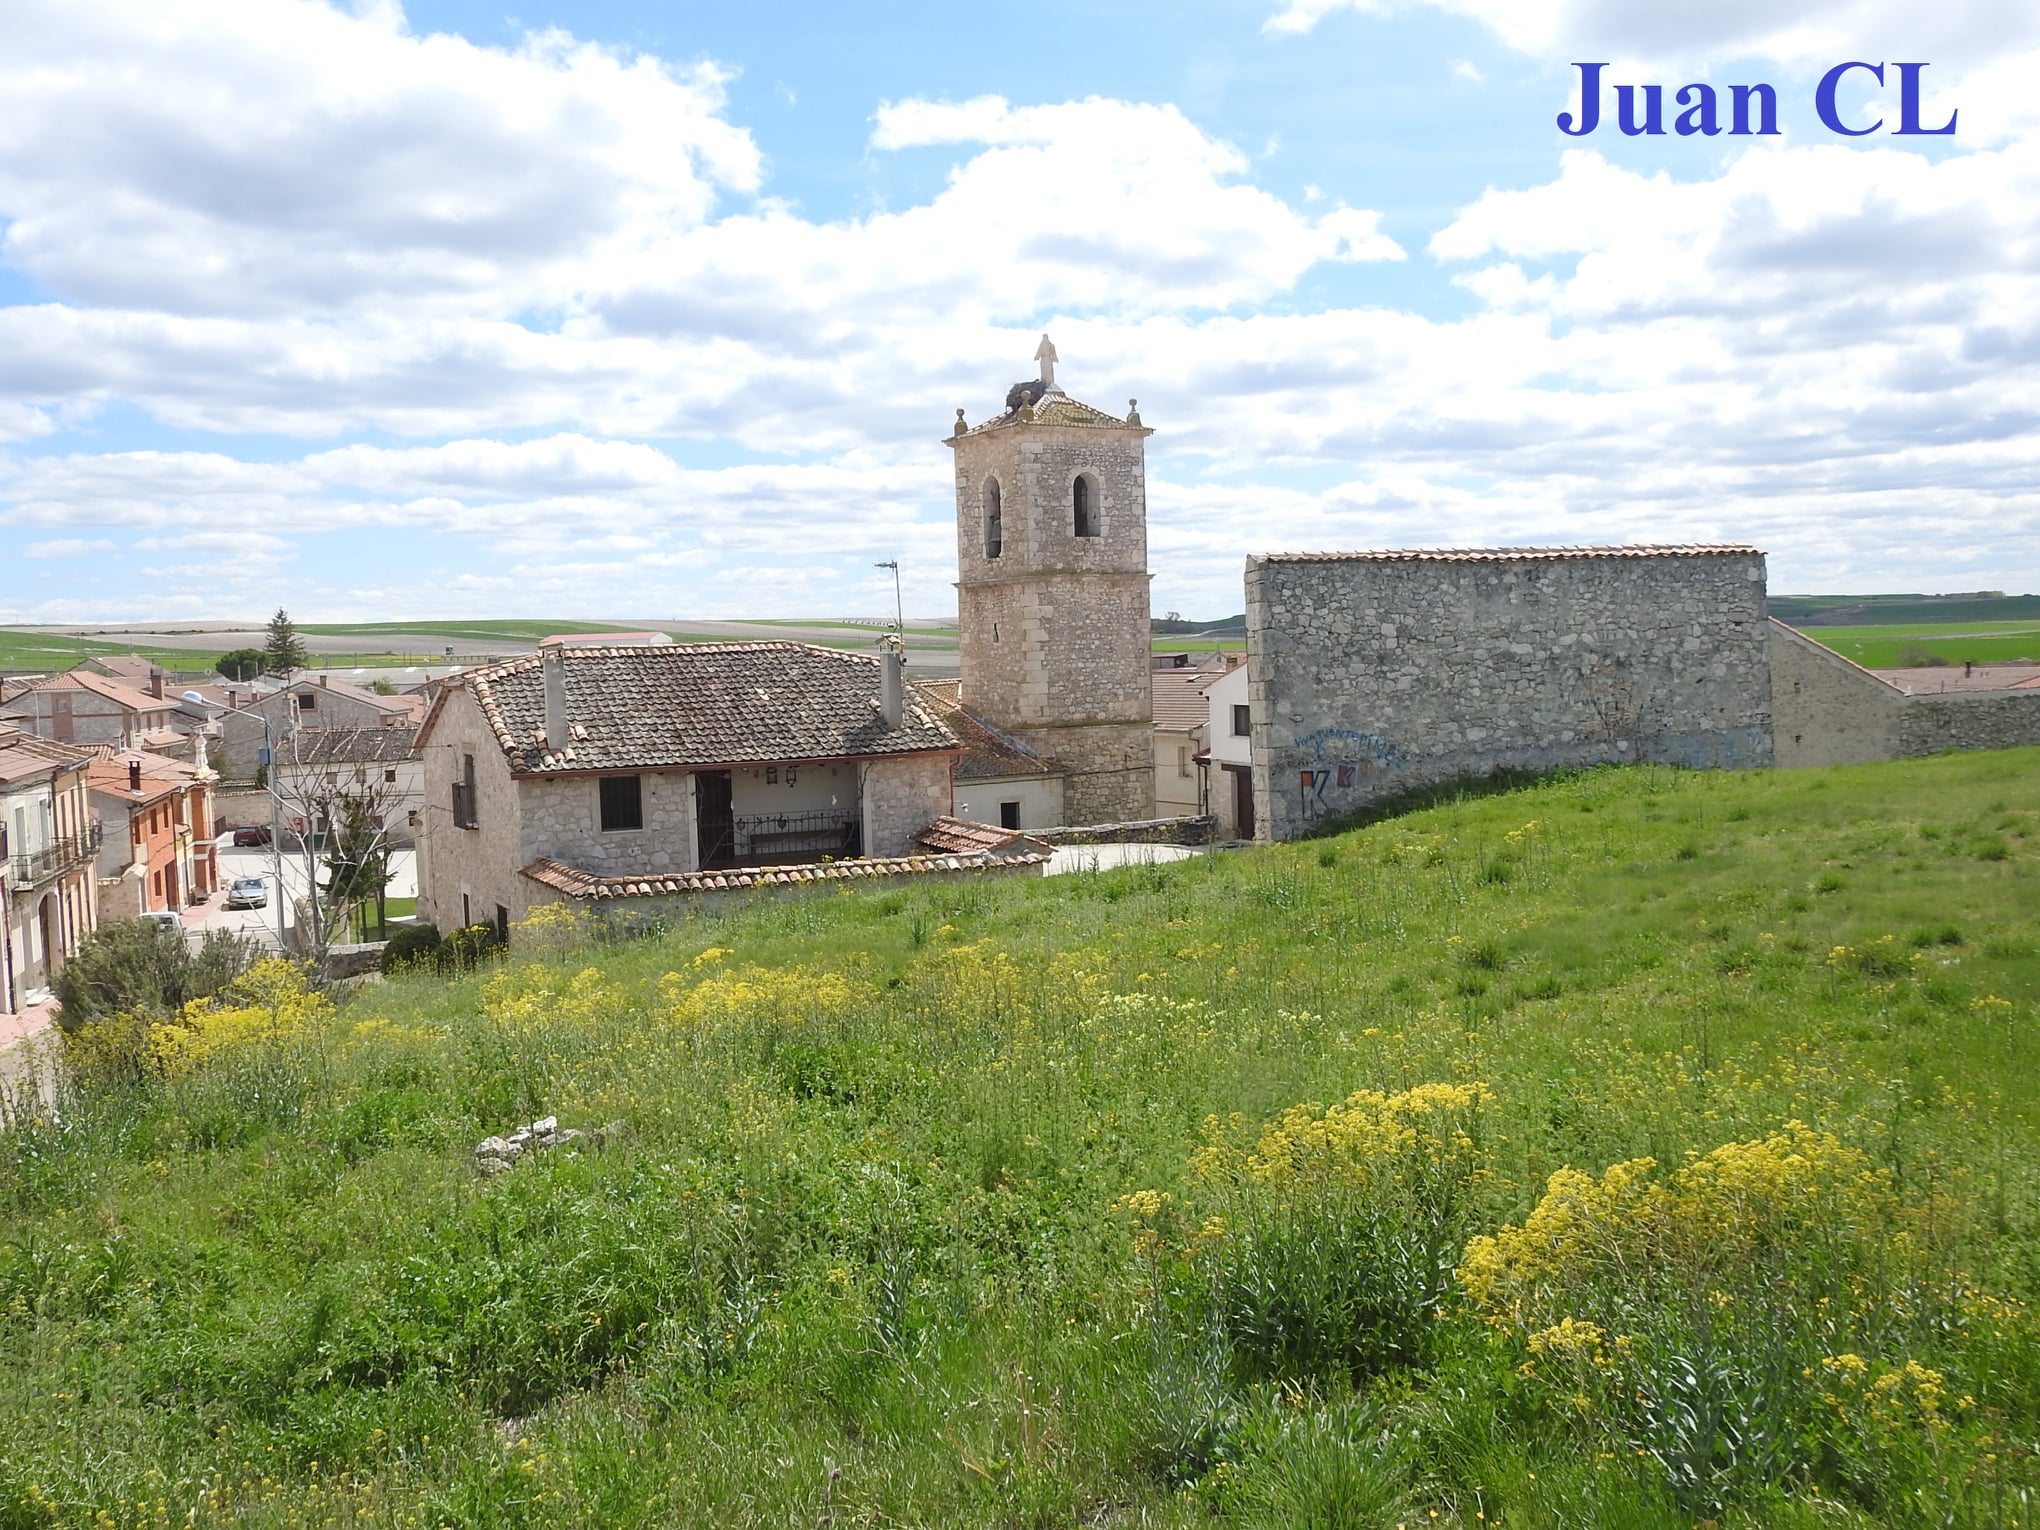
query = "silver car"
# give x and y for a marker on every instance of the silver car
(247, 892)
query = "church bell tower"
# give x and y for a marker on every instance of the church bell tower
(1051, 547)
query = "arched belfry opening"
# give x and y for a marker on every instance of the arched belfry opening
(995, 520)
(1084, 506)
(1054, 641)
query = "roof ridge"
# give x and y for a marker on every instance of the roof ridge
(1516, 554)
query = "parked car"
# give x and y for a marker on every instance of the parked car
(164, 917)
(247, 892)
(257, 836)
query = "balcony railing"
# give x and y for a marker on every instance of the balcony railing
(53, 860)
(787, 839)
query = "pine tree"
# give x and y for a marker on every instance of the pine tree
(283, 651)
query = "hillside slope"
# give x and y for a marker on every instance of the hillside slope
(1177, 1195)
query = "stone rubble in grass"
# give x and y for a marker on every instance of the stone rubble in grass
(499, 1155)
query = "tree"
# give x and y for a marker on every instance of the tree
(243, 663)
(283, 651)
(136, 965)
(340, 811)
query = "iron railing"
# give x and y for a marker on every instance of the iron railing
(763, 839)
(53, 860)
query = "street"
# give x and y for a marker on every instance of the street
(259, 861)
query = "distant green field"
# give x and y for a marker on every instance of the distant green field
(507, 631)
(1911, 646)
(40, 651)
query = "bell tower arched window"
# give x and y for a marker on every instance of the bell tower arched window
(1084, 506)
(995, 531)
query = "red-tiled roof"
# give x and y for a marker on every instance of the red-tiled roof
(576, 883)
(352, 746)
(124, 696)
(988, 754)
(694, 705)
(24, 754)
(1180, 702)
(960, 836)
(1515, 554)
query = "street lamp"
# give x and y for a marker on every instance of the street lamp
(899, 611)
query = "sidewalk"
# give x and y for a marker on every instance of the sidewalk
(28, 1022)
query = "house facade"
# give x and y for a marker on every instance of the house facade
(1229, 757)
(593, 771)
(48, 838)
(314, 769)
(85, 707)
(250, 732)
(156, 822)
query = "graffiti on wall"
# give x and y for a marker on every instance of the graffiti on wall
(1326, 783)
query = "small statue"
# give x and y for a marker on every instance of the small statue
(961, 427)
(1133, 411)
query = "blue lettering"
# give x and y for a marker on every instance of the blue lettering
(1699, 117)
(1824, 98)
(1909, 102)
(1653, 109)
(1590, 103)
(1766, 98)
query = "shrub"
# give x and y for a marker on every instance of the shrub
(464, 949)
(242, 663)
(411, 945)
(138, 966)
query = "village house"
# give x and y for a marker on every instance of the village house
(156, 841)
(314, 769)
(999, 779)
(85, 707)
(1181, 719)
(248, 734)
(48, 897)
(605, 774)
(1228, 756)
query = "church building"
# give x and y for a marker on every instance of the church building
(1051, 532)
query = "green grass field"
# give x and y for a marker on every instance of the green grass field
(1915, 643)
(1005, 1203)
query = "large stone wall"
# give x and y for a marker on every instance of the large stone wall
(1371, 675)
(479, 863)
(1831, 712)
(902, 797)
(562, 820)
(1111, 769)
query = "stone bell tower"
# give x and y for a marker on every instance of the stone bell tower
(1051, 546)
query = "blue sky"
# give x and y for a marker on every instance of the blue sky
(643, 311)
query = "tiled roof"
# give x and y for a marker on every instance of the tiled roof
(160, 777)
(988, 754)
(352, 746)
(1057, 408)
(697, 704)
(959, 836)
(24, 754)
(1515, 554)
(1179, 699)
(576, 883)
(124, 696)
(347, 688)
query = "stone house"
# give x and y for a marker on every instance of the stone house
(314, 701)
(156, 820)
(48, 897)
(613, 773)
(315, 768)
(85, 707)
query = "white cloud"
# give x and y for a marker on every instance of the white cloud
(68, 547)
(1809, 32)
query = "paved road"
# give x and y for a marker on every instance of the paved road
(236, 862)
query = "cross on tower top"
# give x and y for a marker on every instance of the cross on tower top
(1045, 354)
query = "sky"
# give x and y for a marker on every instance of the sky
(628, 310)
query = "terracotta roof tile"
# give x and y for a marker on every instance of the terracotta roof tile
(699, 704)
(1179, 700)
(352, 746)
(576, 883)
(960, 836)
(989, 754)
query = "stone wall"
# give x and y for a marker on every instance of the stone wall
(901, 797)
(1832, 712)
(1151, 831)
(1371, 675)
(1111, 768)
(562, 819)
(481, 863)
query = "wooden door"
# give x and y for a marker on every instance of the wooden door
(715, 821)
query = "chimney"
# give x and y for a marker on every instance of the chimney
(135, 777)
(892, 699)
(557, 738)
(156, 682)
(322, 681)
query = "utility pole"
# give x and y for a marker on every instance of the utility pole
(899, 610)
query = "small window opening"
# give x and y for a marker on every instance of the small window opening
(1242, 722)
(1083, 503)
(995, 530)
(622, 804)
(1009, 815)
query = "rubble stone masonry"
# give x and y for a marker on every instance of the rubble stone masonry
(1373, 674)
